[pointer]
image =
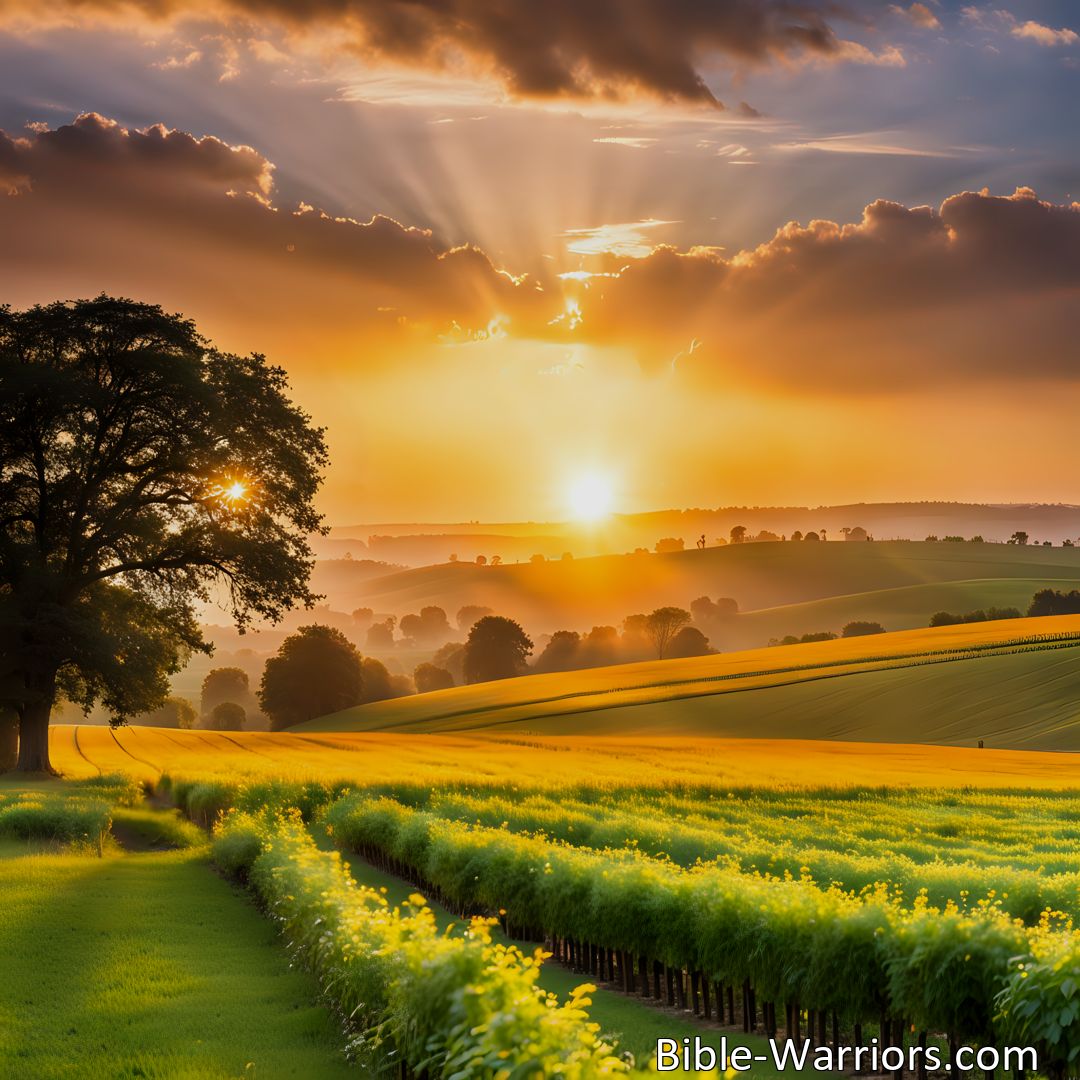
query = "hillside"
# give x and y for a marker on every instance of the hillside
(579, 593)
(1014, 683)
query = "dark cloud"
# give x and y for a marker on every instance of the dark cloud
(158, 213)
(553, 48)
(983, 286)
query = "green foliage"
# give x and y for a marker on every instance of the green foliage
(861, 627)
(227, 716)
(447, 1006)
(316, 671)
(428, 677)
(794, 940)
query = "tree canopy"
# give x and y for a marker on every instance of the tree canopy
(662, 626)
(497, 648)
(316, 671)
(141, 471)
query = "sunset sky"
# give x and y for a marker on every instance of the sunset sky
(702, 252)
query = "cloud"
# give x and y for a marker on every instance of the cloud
(984, 286)
(868, 143)
(626, 239)
(635, 142)
(94, 205)
(554, 49)
(1045, 35)
(919, 14)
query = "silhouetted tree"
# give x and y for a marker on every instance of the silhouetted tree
(316, 671)
(496, 560)
(380, 635)
(224, 684)
(669, 545)
(860, 628)
(600, 647)
(689, 641)
(1052, 602)
(363, 616)
(481, 560)
(380, 684)
(738, 534)
(140, 469)
(796, 535)
(174, 712)
(497, 649)
(452, 657)
(227, 716)
(429, 677)
(662, 626)
(468, 615)
(1019, 537)
(560, 653)
(537, 559)
(811, 536)
(428, 628)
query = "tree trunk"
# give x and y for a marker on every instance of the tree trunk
(34, 729)
(9, 739)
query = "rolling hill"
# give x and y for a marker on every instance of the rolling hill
(1014, 683)
(579, 593)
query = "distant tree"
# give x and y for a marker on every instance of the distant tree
(1066, 543)
(496, 560)
(705, 611)
(796, 535)
(820, 635)
(669, 544)
(560, 653)
(1052, 602)
(738, 534)
(380, 635)
(1047, 543)
(470, 614)
(689, 641)
(952, 539)
(497, 649)
(537, 559)
(140, 470)
(430, 627)
(227, 716)
(428, 677)
(944, 618)
(932, 539)
(861, 629)
(481, 560)
(600, 647)
(977, 540)
(452, 657)
(824, 534)
(635, 643)
(811, 536)
(316, 671)
(856, 533)
(452, 558)
(175, 712)
(766, 536)
(224, 684)
(1019, 537)
(379, 683)
(567, 556)
(663, 624)
(363, 617)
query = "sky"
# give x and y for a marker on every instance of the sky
(673, 252)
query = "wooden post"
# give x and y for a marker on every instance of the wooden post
(706, 1010)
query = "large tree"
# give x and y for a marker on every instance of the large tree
(497, 649)
(141, 471)
(316, 671)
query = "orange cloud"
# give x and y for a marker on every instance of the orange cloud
(1046, 36)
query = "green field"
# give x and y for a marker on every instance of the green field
(952, 685)
(149, 965)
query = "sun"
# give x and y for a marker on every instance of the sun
(591, 496)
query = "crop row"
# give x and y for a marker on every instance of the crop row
(785, 944)
(420, 1002)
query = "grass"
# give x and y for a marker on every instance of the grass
(144, 829)
(148, 965)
